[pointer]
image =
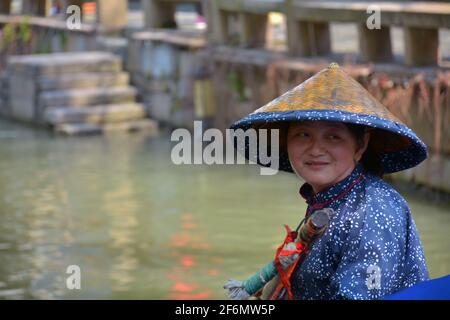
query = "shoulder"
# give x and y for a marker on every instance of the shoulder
(376, 208)
(382, 199)
(383, 211)
(372, 197)
(379, 191)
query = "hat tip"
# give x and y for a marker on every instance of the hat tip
(333, 65)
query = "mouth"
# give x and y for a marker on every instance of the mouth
(316, 164)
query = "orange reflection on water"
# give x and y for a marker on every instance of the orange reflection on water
(187, 261)
(191, 296)
(189, 225)
(183, 272)
(184, 287)
(180, 240)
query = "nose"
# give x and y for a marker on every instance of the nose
(316, 148)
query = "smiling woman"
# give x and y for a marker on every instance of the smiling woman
(340, 140)
(323, 153)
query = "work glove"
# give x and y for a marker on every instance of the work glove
(236, 290)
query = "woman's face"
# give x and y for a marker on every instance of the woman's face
(323, 152)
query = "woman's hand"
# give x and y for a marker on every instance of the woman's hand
(236, 290)
(287, 260)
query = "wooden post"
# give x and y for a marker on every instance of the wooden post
(319, 37)
(5, 7)
(375, 44)
(158, 14)
(252, 30)
(296, 32)
(297, 38)
(421, 46)
(207, 8)
(306, 38)
(218, 24)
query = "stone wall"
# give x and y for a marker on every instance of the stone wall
(163, 66)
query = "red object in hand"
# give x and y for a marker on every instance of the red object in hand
(285, 275)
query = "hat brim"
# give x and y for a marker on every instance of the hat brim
(396, 145)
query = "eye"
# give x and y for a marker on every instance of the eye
(334, 137)
(302, 134)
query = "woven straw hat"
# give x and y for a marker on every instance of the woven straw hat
(332, 95)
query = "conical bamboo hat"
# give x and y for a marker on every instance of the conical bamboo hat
(333, 95)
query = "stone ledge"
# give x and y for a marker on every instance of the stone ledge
(95, 114)
(145, 125)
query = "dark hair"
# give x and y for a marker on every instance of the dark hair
(370, 159)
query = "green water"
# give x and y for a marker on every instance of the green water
(140, 227)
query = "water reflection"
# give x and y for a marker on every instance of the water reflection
(32, 235)
(182, 274)
(120, 205)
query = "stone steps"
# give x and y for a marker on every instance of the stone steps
(76, 93)
(95, 114)
(68, 62)
(83, 80)
(144, 125)
(87, 97)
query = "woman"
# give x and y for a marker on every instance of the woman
(340, 140)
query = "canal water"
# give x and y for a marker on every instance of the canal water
(140, 227)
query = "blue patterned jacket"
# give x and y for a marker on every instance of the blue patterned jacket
(371, 248)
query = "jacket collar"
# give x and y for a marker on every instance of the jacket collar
(334, 192)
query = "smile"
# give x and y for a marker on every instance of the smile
(316, 164)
